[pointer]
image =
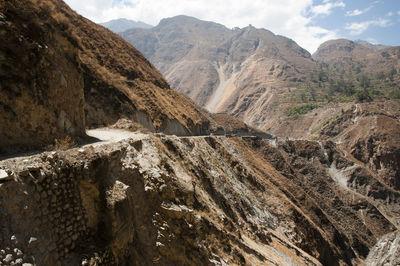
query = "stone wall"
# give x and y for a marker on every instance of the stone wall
(43, 207)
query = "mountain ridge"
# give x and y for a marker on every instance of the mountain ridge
(249, 72)
(123, 24)
(158, 187)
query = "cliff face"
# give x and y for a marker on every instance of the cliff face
(41, 89)
(156, 199)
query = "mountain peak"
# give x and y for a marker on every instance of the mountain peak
(123, 24)
(375, 47)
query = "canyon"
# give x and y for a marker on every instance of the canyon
(103, 163)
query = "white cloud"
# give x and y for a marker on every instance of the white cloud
(291, 18)
(356, 28)
(372, 40)
(389, 14)
(398, 12)
(357, 12)
(326, 7)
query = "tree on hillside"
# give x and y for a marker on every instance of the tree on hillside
(365, 82)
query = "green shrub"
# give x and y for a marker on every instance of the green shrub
(295, 112)
(364, 96)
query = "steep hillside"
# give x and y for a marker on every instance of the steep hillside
(123, 24)
(221, 68)
(156, 199)
(119, 81)
(340, 50)
(61, 72)
(371, 134)
(266, 80)
(41, 88)
(373, 69)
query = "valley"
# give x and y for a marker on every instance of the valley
(250, 151)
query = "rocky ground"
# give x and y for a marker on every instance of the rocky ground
(158, 199)
(209, 190)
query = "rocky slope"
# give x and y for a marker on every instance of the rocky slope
(157, 199)
(231, 67)
(41, 89)
(346, 50)
(371, 134)
(61, 72)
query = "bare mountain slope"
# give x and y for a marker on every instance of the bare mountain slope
(266, 80)
(219, 67)
(41, 88)
(144, 198)
(156, 199)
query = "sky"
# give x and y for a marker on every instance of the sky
(308, 22)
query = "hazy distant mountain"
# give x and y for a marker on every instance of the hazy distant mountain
(122, 24)
(375, 47)
(342, 49)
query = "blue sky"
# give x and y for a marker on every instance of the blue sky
(308, 22)
(374, 21)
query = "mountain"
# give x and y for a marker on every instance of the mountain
(154, 185)
(77, 74)
(123, 24)
(360, 58)
(237, 71)
(264, 79)
(375, 47)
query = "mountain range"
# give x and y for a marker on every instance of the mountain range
(263, 78)
(121, 169)
(123, 24)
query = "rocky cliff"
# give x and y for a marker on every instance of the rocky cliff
(157, 199)
(370, 134)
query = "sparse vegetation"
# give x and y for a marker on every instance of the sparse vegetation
(296, 111)
(64, 144)
(364, 96)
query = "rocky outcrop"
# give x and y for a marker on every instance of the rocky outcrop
(386, 251)
(156, 199)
